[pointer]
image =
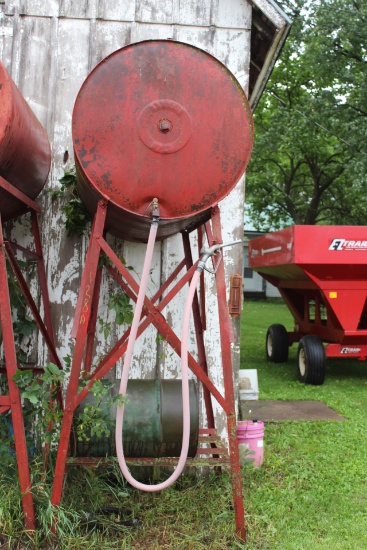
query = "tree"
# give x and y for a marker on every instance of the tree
(308, 165)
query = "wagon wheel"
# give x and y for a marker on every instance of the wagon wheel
(311, 360)
(277, 344)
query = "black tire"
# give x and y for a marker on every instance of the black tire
(277, 346)
(311, 360)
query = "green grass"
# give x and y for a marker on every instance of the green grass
(310, 493)
(195, 514)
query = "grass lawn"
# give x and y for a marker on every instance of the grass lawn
(310, 493)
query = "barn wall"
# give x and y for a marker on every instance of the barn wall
(49, 47)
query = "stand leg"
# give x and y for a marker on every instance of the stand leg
(81, 324)
(225, 337)
(14, 394)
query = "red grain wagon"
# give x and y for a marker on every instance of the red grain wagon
(321, 274)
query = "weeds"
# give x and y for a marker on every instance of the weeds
(310, 493)
(76, 216)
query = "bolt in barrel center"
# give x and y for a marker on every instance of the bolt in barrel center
(165, 126)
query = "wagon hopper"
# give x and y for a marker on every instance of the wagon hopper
(321, 274)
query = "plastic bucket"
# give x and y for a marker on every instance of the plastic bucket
(250, 437)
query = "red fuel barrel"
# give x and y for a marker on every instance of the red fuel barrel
(25, 154)
(160, 119)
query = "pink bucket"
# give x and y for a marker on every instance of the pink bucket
(250, 437)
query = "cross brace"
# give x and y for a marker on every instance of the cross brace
(84, 332)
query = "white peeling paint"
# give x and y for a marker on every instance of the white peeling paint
(4, 31)
(49, 51)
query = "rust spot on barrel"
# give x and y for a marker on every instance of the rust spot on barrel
(25, 154)
(160, 119)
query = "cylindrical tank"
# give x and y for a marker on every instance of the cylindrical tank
(25, 154)
(160, 119)
(153, 423)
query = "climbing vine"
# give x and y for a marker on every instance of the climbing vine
(23, 325)
(41, 410)
(76, 220)
(76, 215)
(43, 413)
(40, 393)
(94, 420)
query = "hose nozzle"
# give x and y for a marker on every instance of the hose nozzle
(206, 253)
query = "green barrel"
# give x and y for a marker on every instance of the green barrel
(152, 422)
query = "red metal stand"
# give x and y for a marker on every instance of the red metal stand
(12, 401)
(84, 331)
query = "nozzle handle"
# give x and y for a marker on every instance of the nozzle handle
(206, 253)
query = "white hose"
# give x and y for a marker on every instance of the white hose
(185, 378)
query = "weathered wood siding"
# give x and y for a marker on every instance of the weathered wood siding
(49, 47)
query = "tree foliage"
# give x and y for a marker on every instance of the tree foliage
(310, 157)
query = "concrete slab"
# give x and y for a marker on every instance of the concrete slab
(277, 411)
